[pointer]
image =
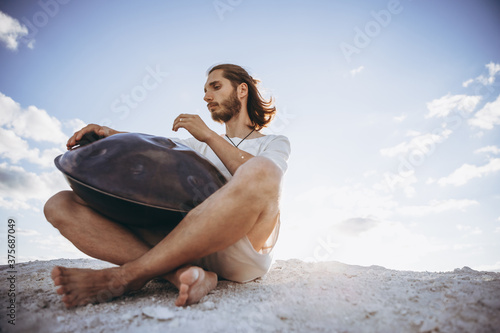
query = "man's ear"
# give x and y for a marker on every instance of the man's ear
(242, 90)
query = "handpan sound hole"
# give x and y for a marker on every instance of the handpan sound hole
(193, 181)
(137, 169)
(97, 152)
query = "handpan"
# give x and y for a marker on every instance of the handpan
(139, 179)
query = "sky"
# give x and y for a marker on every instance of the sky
(392, 109)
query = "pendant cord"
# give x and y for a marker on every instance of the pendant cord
(241, 139)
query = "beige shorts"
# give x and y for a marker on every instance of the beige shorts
(239, 262)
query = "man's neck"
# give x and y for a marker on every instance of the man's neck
(238, 125)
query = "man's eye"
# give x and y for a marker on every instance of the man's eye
(216, 87)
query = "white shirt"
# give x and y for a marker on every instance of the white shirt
(274, 147)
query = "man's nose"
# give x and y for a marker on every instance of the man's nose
(208, 97)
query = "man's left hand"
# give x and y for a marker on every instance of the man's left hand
(195, 125)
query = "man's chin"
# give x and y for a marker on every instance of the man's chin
(220, 117)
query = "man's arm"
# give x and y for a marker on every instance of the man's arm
(97, 129)
(231, 156)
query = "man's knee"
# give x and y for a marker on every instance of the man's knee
(56, 205)
(262, 172)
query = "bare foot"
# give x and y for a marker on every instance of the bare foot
(193, 283)
(83, 286)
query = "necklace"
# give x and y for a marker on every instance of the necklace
(241, 139)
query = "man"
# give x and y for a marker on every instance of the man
(231, 234)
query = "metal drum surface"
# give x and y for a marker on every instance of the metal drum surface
(140, 179)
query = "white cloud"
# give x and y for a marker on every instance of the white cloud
(403, 180)
(443, 106)
(413, 133)
(58, 245)
(488, 116)
(16, 149)
(465, 84)
(74, 125)
(18, 124)
(9, 108)
(423, 143)
(11, 31)
(493, 70)
(27, 232)
(369, 173)
(21, 131)
(437, 206)
(36, 124)
(17, 186)
(356, 225)
(399, 119)
(356, 71)
(30, 123)
(467, 172)
(469, 229)
(488, 149)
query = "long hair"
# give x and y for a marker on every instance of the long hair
(260, 111)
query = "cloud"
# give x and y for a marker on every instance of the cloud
(488, 116)
(493, 70)
(421, 143)
(437, 206)
(18, 186)
(399, 119)
(488, 149)
(443, 106)
(356, 71)
(56, 245)
(467, 172)
(22, 133)
(31, 123)
(469, 229)
(18, 124)
(413, 133)
(15, 148)
(11, 31)
(356, 225)
(27, 232)
(404, 180)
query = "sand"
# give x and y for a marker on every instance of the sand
(293, 297)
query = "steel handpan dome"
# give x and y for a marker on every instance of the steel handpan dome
(140, 179)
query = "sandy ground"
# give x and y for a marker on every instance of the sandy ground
(294, 297)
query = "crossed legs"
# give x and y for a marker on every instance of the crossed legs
(247, 205)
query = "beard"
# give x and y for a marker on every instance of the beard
(228, 109)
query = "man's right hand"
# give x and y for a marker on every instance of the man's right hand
(97, 129)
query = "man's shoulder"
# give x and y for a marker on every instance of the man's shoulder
(275, 138)
(272, 137)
